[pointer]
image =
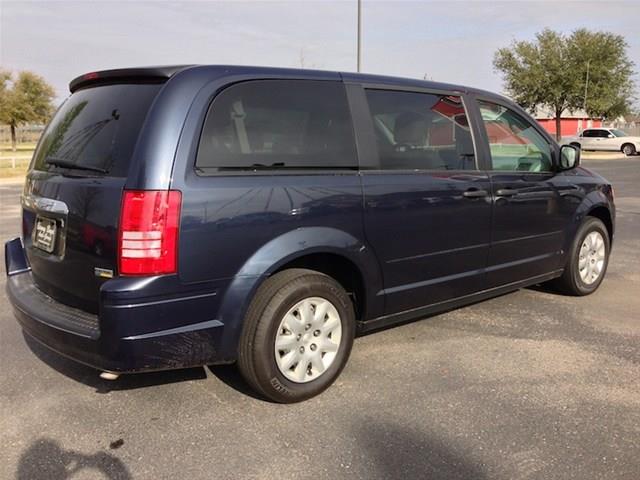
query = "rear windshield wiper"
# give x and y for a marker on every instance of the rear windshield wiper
(61, 162)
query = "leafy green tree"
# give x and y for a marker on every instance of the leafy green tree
(28, 98)
(5, 78)
(602, 57)
(587, 69)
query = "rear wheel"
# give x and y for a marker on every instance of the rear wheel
(628, 149)
(588, 259)
(297, 335)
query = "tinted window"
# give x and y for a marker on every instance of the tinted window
(278, 124)
(421, 131)
(514, 142)
(97, 127)
(588, 134)
(603, 133)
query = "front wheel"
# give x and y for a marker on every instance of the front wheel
(297, 335)
(588, 259)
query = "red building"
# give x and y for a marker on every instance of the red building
(570, 122)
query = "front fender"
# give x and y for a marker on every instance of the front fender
(282, 250)
(594, 199)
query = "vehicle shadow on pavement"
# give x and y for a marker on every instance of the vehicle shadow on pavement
(90, 377)
(401, 452)
(46, 460)
(545, 288)
(231, 377)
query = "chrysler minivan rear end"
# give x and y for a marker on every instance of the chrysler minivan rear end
(94, 273)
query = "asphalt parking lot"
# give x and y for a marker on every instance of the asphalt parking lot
(530, 385)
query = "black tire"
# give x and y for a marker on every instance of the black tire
(256, 355)
(628, 149)
(571, 282)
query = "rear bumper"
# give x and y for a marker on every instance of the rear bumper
(128, 335)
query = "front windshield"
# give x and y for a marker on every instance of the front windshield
(618, 133)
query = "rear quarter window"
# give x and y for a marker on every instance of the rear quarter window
(278, 124)
(97, 128)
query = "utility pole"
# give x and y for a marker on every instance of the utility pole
(359, 54)
(586, 86)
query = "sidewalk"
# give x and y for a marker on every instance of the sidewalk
(604, 156)
(17, 180)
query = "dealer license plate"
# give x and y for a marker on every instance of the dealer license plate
(45, 234)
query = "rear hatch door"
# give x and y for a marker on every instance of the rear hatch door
(72, 197)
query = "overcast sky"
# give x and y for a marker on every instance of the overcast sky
(447, 41)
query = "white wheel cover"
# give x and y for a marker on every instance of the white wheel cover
(308, 339)
(592, 257)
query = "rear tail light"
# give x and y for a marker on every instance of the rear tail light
(148, 242)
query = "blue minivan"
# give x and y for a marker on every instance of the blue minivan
(193, 215)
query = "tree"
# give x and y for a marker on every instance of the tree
(601, 58)
(5, 78)
(27, 99)
(587, 70)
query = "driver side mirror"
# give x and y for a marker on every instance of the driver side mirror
(611, 135)
(569, 157)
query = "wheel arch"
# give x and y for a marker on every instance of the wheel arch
(338, 267)
(633, 146)
(595, 204)
(331, 251)
(602, 213)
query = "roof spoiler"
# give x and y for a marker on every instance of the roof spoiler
(125, 75)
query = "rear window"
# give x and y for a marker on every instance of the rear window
(96, 129)
(278, 124)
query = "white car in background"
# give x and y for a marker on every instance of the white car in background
(608, 139)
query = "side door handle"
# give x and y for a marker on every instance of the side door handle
(506, 192)
(474, 193)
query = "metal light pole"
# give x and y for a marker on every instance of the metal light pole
(586, 86)
(359, 33)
